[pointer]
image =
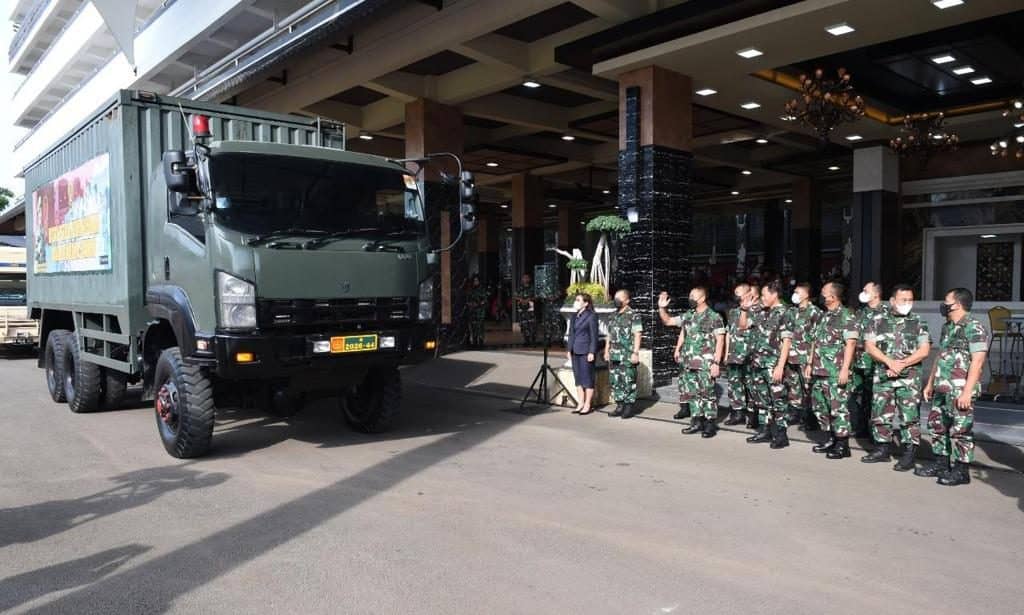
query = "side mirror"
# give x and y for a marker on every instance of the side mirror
(178, 174)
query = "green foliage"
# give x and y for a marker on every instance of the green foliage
(5, 198)
(596, 291)
(609, 224)
(577, 264)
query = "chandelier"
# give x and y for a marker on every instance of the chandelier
(825, 103)
(1001, 147)
(923, 134)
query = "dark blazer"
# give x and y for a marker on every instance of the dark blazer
(583, 333)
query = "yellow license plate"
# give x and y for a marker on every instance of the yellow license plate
(354, 343)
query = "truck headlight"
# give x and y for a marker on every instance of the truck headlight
(237, 302)
(426, 310)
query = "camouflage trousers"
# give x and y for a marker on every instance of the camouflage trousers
(798, 388)
(860, 404)
(622, 378)
(528, 327)
(767, 397)
(476, 330)
(896, 411)
(831, 404)
(952, 429)
(697, 388)
(737, 375)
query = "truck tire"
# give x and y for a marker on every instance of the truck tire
(115, 386)
(184, 406)
(375, 403)
(83, 381)
(53, 363)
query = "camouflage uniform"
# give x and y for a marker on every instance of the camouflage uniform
(801, 321)
(830, 400)
(862, 372)
(525, 313)
(895, 402)
(700, 336)
(952, 428)
(621, 370)
(736, 367)
(768, 327)
(477, 306)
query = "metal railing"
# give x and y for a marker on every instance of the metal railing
(25, 27)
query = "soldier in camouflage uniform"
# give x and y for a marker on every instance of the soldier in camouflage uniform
(526, 316)
(737, 354)
(802, 317)
(476, 304)
(863, 375)
(698, 352)
(622, 354)
(770, 345)
(898, 342)
(953, 386)
(834, 340)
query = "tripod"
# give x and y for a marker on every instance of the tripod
(539, 388)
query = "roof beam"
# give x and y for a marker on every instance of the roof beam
(614, 10)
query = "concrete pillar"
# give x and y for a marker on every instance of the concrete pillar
(655, 165)
(432, 127)
(527, 224)
(874, 249)
(774, 240)
(805, 231)
(487, 245)
(570, 236)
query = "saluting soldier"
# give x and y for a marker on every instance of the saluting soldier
(862, 377)
(803, 315)
(476, 302)
(769, 351)
(622, 353)
(698, 352)
(737, 355)
(898, 342)
(525, 313)
(834, 342)
(953, 387)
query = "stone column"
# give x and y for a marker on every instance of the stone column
(875, 243)
(774, 243)
(432, 127)
(805, 231)
(655, 164)
(570, 236)
(527, 224)
(487, 245)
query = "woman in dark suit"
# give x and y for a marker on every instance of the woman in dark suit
(583, 350)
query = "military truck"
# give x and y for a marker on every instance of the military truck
(221, 256)
(16, 328)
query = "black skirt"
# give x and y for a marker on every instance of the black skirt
(583, 371)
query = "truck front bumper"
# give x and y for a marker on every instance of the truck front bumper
(274, 355)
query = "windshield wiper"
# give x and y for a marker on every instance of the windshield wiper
(320, 241)
(264, 238)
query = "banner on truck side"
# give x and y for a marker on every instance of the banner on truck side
(71, 220)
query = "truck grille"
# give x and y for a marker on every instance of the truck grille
(291, 312)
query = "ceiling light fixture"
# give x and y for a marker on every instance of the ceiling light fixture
(943, 59)
(761, 141)
(833, 168)
(366, 137)
(826, 103)
(568, 138)
(552, 206)
(706, 92)
(749, 53)
(923, 134)
(982, 81)
(492, 164)
(504, 205)
(989, 236)
(786, 118)
(751, 105)
(963, 70)
(531, 84)
(746, 172)
(839, 29)
(853, 137)
(789, 200)
(606, 191)
(945, 4)
(735, 193)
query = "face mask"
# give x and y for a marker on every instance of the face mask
(796, 299)
(904, 308)
(618, 303)
(944, 309)
(577, 306)
(864, 297)
(692, 304)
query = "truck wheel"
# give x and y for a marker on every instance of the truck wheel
(82, 380)
(184, 406)
(115, 386)
(53, 363)
(375, 403)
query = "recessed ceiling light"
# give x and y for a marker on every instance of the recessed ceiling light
(1020, 139)
(706, 92)
(568, 138)
(751, 105)
(747, 172)
(749, 53)
(552, 206)
(943, 59)
(504, 205)
(989, 236)
(786, 118)
(492, 164)
(1019, 125)
(981, 81)
(789, 200)
(833, 168)
(366, 137)
(735, 193)
(945, 4)
(508, 229)
(761, 141)
(606, 192)
(854, 137)
(963, 70)
(531, 84)
(839, 29)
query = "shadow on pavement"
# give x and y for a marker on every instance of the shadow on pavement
(34, 522)
(29, 586)
(1010, 484)
(455, 373)
(18, 352)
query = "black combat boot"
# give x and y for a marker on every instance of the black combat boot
(827, 445)
(881, 453)
(751, 419)
(763, 434)
(684, 411)
(780, 439)
(933, 469)
(959, 474)
(710, 428)
(629, 410)
(617, 411)
(906, 462)
(735, 417)
(840, 450)
(696, 425)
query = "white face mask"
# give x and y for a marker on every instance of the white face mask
(577, 305)
(796, 299)
(864, 297)
(904, 308)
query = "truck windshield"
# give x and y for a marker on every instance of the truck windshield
(255, 193)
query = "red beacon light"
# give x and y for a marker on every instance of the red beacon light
(200, 126)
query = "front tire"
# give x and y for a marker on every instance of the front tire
(83, 381)
(375, 403)
(184, 406)
(53, 363)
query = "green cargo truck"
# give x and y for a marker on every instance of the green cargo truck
(222, 256)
